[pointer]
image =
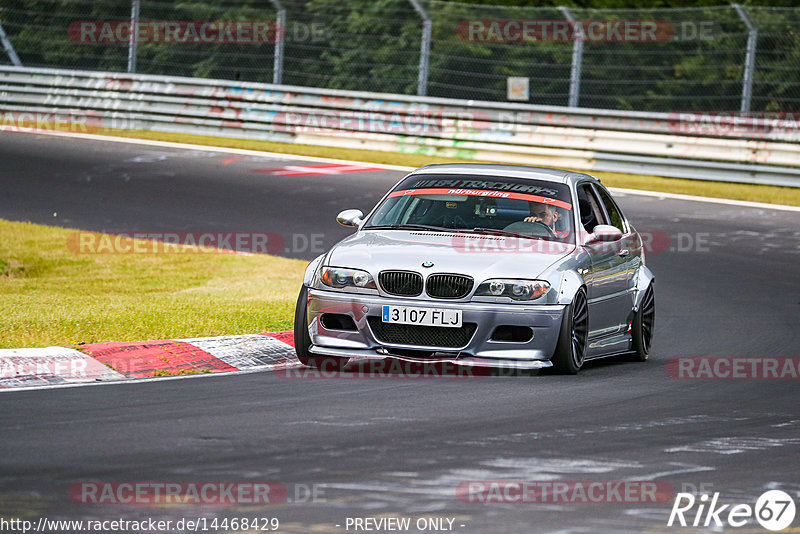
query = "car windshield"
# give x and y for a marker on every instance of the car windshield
(483, 204)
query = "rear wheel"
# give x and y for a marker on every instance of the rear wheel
(571, 348)
(302, 341)
(643, 324)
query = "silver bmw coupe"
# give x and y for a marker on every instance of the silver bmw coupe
(498, 266)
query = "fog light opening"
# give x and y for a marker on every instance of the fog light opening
(512, 334)
(337, 321)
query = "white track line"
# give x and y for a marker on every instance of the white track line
(676, 196)
(278, 155)
(209, 148)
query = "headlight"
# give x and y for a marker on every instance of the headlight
(340, 277)
(515, 289)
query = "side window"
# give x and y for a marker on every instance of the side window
(615, 217)
(588, 208)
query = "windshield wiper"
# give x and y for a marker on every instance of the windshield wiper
(409, 227)
(504, 232)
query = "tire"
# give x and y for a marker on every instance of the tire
(643, 325)
(571, 349)
(302, 341)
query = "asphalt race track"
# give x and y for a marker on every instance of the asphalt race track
(727, 285)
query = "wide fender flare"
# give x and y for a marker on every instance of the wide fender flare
(311, 270)
(642, 280)
(571, 282)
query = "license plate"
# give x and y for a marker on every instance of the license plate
(422, 316)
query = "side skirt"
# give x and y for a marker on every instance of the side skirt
(609, 345)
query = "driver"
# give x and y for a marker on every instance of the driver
(546, 215)
(543, 213)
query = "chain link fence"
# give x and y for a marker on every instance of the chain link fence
(694, 59)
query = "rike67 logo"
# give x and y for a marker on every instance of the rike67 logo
(774, 510)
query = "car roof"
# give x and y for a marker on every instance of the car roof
(512, 171)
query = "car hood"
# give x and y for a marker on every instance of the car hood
(478, 255)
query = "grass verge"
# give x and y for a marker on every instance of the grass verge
(53, 296)
(753, 193)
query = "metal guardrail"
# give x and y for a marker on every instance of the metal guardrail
(585, 139)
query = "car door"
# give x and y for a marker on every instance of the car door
(630, 248)
(608, 276)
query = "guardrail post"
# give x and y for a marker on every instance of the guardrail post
(280, 35)
(424, 48)
(12, 54)
(577, 57)
(133, 41)
(750, 57)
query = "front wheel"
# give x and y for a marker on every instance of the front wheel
(643, 324)
(571, 348)
(302, 341)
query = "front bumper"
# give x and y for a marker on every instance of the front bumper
(544, 320)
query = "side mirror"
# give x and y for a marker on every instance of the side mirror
(350, 218)
(605, 233)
